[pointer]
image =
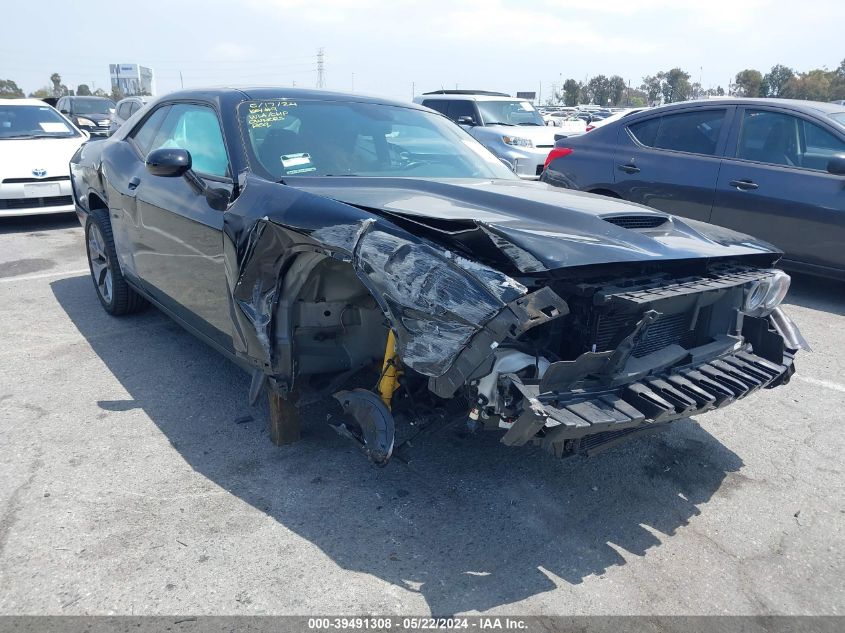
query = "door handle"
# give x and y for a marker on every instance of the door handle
(133, 184)
(744, 184)
(630, 169)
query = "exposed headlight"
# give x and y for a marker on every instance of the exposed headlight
(764, 295)
(83, 121)
(518, 141)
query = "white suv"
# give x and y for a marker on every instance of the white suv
(509, 127)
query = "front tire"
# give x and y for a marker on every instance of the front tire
(115, 295)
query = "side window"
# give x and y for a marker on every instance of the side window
(134, 107)
(819, 146)
(123, 111)
(462, 107)
(694, 132)
(769, 137)
(441, 105)
(146, 132)
(645, 131)
(196, 129)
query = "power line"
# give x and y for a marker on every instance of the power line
(321, 82)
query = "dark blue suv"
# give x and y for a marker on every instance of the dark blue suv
(773, 168)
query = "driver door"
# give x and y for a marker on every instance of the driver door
(178, 240)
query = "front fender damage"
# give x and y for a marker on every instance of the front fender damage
(448, 313)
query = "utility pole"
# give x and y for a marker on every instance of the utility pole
(413, 91)
(321, 69)
(353, 82)
(181, 81)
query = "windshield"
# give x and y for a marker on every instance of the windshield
(333, 138)
(509, 113)
(92, 106)
(31, 121)
(839, 117)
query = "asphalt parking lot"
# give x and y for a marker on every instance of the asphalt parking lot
(130, 484)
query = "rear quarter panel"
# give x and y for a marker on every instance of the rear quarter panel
(590, 165)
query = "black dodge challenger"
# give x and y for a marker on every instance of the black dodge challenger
(312, 236)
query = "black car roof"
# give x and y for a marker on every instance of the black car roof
(810, 107)
(248, 93)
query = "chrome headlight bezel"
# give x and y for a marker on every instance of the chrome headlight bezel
(765, 294)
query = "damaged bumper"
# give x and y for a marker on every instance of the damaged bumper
(568, 423)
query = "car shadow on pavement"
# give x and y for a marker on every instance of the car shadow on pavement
(468, 523)
(817, 293)
(35, 223)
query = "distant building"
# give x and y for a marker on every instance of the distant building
(131, 79)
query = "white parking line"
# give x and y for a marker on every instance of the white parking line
(827, 384)
(57, 274)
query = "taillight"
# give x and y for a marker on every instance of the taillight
(590, 127)
(557, 152)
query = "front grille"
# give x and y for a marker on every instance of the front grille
(637, 221)
(12, 181)
(671, 329)
(31, 203)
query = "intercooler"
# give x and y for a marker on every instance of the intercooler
(668, 329)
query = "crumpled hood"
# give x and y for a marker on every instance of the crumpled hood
(18, 157)
(539, 226)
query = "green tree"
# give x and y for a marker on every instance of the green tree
(748, 83)
(83, 90)
(837, 83)
(571, 92)
(99, 92)
(42, 93)
(776, 79)
(598, 89)
(9, 89)
(59, 89)
(617, 90)
(675, 85)
(814, 85)
(651, 87)
(117, 94)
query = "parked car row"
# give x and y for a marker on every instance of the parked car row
(770, 168)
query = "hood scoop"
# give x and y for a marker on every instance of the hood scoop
(637, 222)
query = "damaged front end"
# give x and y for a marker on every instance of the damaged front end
(574, 359)
(628, 356)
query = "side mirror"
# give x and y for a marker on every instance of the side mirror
(168, 161)
(836, 165)
(64, 111)
(466, 120)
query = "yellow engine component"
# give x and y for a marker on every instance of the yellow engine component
(390, 370)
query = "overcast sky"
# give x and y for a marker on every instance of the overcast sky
(385, 47)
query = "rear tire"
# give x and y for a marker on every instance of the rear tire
(115, 295)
